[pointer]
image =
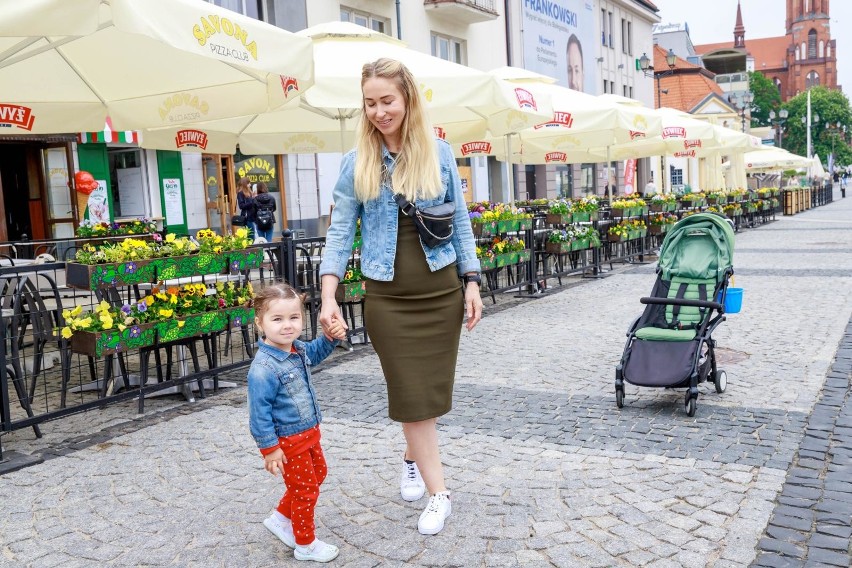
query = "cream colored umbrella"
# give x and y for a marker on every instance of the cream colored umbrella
(65, 65)
(772, 160)
(458, 97)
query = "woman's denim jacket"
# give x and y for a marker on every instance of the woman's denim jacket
(281, 398)
(379, 224)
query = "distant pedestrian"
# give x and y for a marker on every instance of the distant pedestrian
(284, 416)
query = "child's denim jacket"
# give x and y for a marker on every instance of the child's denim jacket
(380, 220)
(281, 397)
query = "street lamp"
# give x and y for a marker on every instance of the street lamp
(779, 124)
(742, 102)
(645, 64)
(814, 121)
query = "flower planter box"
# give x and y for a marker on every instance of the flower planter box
(488, 263)
(580, 244)
(584, 216)
(558, 248)
(525, 224)
(658, 207)
(620, 212)
(508, 225)
(617, 238)
(94, 276)
(100, 343)
(485, 229)
(524, 256)
(557, 219)
(658, 229)
(350, 291)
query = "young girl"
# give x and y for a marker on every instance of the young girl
(284, 416)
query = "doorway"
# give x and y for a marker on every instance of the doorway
(219, 190)
(15, 180)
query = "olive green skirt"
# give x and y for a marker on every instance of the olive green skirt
(414, 323)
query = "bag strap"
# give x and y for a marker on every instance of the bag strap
(407, 207)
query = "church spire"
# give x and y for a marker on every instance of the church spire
(739, 29)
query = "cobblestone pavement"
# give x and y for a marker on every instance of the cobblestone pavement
(545, 470)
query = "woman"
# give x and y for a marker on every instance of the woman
(245, 201)
(264, 212)
(414, 303)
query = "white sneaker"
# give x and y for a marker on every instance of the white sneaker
(318, 551)
(411, 486)
(282, 529)
(432, 519)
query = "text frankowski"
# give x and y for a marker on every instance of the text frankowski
(552, 9)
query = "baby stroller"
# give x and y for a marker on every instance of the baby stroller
(669, 345)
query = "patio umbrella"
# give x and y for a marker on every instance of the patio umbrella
(457, 97)
(65, 65)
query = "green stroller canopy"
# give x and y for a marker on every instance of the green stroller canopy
(698, 246)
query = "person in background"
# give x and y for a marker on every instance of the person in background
(414, 303)
(264, 212)
(245, 201)
(284, 416)
(650, 188)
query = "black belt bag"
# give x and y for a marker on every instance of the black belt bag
(434, 224)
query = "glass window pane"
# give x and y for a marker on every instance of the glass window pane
(434, 45)
(345, 16)
(361, 20)
(444, 52)
(379, 26)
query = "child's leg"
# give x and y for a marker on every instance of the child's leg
(303, 489)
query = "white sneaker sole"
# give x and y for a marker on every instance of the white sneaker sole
(270, 525)
(439, 528)
(328, 558)
(412, 497)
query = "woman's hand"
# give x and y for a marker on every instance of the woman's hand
(330, 315)
(472, 305)
(273, 462)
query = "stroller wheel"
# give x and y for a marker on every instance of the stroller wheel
(691, 405)
(721, 381)
(619, 398)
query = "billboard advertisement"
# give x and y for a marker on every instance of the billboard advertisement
(559, 41)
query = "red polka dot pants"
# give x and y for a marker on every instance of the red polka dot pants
(303, 475)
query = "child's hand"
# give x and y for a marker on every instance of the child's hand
(337, 329)
(274, 462)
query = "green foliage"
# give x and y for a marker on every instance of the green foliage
(833, 108)
(766, 98)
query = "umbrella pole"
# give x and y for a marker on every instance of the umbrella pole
(607, 190)
(342, 134)
(509, 170)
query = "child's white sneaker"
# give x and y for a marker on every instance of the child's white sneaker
(411, 485)
(432, 518)
(282, 529)
(318, 551)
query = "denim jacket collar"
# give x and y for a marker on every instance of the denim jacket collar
(280, 354)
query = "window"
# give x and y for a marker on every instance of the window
(609, 29)
(812, 80)
(821, 48)
(624, 90)
(676, 176)
(777, 82)
(587, 179)
(129, 182)
(603, 27)
(565, 182)
(449, 48)
(631, 92)
(250, 8)
(612, 87)
(797, 53)
(630, 38)
(605, 84)
(623, 35)
(812, 44)
(375, 23)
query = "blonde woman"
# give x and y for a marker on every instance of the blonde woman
(415, 303)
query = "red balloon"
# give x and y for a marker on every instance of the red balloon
(85, 182)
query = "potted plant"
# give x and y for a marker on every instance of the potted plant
(660, 223)
(585, 210)
(352, 287)
(483, 220)
(618, 232)
(559, 241)
(560, 212)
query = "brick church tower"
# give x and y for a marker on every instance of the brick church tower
(811, 55)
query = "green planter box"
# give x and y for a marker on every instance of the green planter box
(94, 276)
(487, 263)
(486, 229)
(508, 225)
(98, 344)
(350, 291)
(620, 212)
(584, 216)
(525, 224)
(580, 244)
(524, 255)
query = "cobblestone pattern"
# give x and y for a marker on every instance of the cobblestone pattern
(545, 470)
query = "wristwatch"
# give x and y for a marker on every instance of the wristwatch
(474, 277)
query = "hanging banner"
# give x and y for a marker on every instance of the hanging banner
(629, 176)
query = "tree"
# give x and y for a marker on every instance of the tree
(766, 98)
(828, 133)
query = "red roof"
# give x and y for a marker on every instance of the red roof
(687, 86)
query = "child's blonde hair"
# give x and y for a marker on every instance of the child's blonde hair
(276, 291)
(417, 172)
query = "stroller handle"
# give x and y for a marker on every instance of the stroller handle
(681, 302)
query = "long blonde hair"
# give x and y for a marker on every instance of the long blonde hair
(417, 171)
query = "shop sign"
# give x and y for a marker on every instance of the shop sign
(16, 115)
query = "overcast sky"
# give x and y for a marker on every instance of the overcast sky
(711, 22)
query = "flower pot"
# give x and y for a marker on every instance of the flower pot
(557, 248)
(656, 229)
(524, 256)
(658, 207)
(581, 217)
(241, 260)
(94, 276)
(484, 229)
(620, 212)
(579, 244)
(100, 343)
(557, 219)
(488, 263)
(616, 238)
(504, 259)
(350, 291)
(525, 224)
(508, 225)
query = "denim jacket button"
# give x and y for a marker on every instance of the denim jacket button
(291, 375)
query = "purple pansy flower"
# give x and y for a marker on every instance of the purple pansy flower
(141, 307)
(135, 331)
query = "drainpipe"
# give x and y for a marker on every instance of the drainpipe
(398, 22)
(506, 17)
